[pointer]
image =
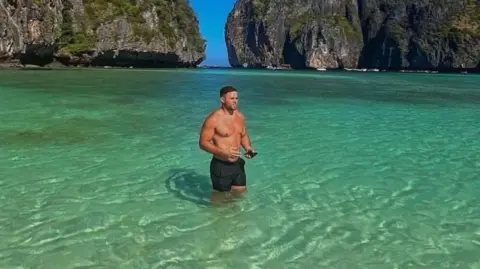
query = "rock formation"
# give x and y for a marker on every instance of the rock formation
(138, 33)
(386, 34)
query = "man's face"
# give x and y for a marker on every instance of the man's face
(230, 100)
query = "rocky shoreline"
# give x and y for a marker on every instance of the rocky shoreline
(58, 66)
(13, 65)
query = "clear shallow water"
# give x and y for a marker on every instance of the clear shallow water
(101, 169)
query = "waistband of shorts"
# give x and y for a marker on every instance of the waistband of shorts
(224, 162)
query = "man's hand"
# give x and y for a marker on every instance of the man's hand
(231, 153)
(250, 153)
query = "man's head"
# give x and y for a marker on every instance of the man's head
(229, 97)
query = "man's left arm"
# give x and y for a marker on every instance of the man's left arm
(245, 142)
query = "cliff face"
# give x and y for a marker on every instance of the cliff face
(411, 34)
(421, 34)
(147, 33)
(302, 33)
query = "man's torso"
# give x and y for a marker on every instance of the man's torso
(228, 131)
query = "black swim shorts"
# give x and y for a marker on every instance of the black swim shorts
(224, 174)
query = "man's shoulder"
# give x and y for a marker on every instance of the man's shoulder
(240, 115)
(213, 115)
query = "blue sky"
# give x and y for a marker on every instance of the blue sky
(212, 15)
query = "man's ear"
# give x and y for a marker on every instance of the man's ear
(222, 99)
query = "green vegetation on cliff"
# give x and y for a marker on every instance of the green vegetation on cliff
(308, 17)
(398, 34)
(461, 28)
(468, 22)
(176, 19)
(465, 22)
(71, 41)
(297, 23)
(260, 8)
(346, 27)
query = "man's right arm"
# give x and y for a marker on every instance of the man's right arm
(206, 136)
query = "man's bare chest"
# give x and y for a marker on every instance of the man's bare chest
(226, 127)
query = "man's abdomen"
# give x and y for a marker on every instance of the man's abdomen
(227, 143)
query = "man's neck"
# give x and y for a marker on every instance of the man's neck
(229, 111)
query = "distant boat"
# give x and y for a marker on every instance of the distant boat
(321, 69)
(284, 67)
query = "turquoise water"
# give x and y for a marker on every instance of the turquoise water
(101, 169)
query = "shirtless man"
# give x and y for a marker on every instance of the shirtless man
(222, 133)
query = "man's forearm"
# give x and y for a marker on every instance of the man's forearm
(210, 148)
(246, 142)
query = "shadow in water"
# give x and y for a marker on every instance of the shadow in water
(189, 185)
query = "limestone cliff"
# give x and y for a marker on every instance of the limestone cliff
(302, 33)
(139, 33)
(387, 34)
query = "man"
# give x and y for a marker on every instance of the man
(222, 133)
